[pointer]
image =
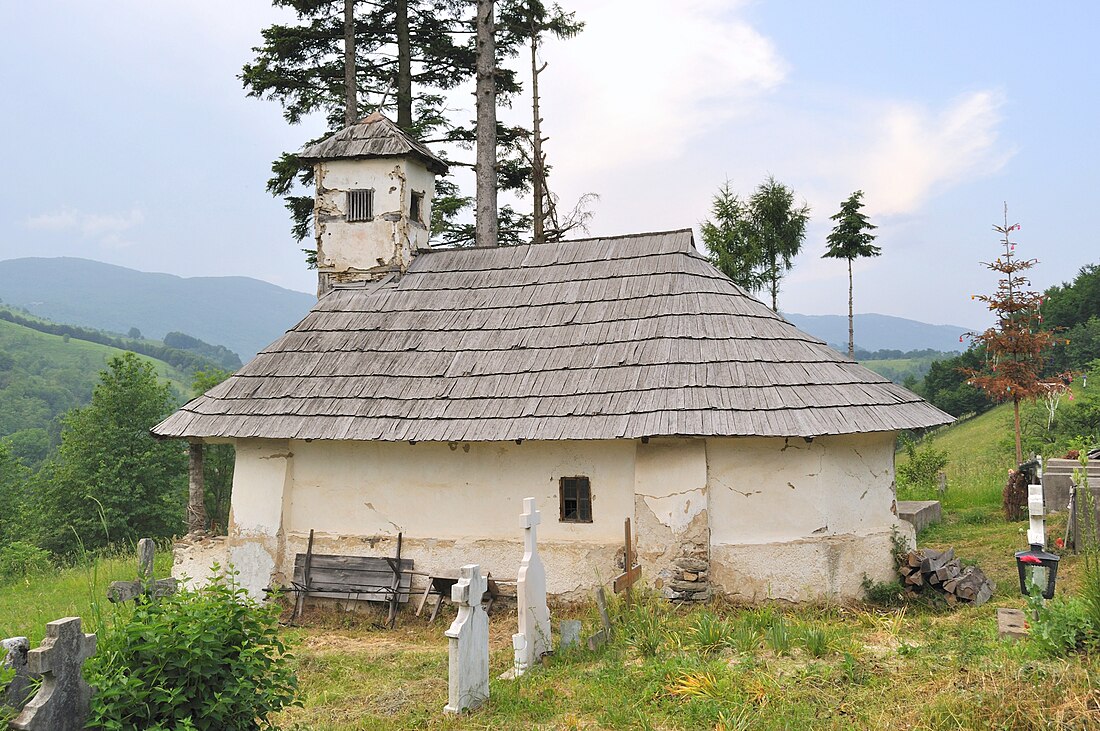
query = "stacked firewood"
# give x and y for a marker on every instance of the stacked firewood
(941, 571)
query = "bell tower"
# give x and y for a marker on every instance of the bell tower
(372, 209)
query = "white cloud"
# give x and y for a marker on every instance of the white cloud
(106, 228)
(646, 77)
(915, 153)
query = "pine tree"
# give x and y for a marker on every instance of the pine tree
(779, 227)
(303, 67)
(851, 239)
(728, 236)
(1015, 346)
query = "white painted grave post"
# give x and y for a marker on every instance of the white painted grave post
(468, 668)
(533, 639)
(1037, 531)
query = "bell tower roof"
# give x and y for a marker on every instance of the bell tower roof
(374, 136)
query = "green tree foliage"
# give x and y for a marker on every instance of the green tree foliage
(219, 354)
(754, 243)
(946, 385)
(112, 481)
(13, 480)
(217, 462)
(727, 235)
(301, 66)
(851, 239)
(207, 660)
(780, 227)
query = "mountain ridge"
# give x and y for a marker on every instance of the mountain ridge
(246, 314)
(242, 313)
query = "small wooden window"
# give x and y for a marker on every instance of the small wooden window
(416, 207)
(576, 500)
(360, 205)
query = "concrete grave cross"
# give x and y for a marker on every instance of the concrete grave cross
(63, 701)
(145, 586)
(533, 639)
(468, 635)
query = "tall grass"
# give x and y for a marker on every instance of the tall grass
(78, 591)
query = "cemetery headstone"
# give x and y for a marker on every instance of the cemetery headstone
(15, 657)
(468, 665)
(533, 639)
(145, 586)
(63, 701)
(570, 633)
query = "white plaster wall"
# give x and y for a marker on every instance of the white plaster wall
(460, 503)
(764, 490)
(262, 477)
(797, 520)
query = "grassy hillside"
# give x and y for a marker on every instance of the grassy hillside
(897, 369)
(42, 376)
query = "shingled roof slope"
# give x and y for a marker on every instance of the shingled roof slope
(373, 136)
(596, 339)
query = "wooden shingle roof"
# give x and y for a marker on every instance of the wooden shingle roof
(373, 136)
(603, 338)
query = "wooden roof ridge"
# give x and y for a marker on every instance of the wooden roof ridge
(596, 338)
(373, 136)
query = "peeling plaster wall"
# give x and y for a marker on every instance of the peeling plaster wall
(797, 520)
(262, 480)
(756, 518)
(391, 238)
(460, 503)
(671, 522)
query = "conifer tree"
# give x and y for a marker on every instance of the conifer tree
(1015, 345)
(779, 227)
(851, 239)
(728, 237)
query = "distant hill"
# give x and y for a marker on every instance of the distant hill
(42, 376)
(241, 313)
(878, 332)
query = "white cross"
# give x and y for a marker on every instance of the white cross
(530, 518)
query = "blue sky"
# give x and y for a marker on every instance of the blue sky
(129, 139)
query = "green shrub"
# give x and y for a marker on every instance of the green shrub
(20, 560)
(883, 593)
(1062, 625)
(206, 660)
(917, 474)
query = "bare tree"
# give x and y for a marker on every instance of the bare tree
(351, 104)
(487, 223)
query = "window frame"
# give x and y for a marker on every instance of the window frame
(353, 210)
(580, 482)
(416, 206)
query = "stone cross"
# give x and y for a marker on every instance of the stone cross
(145, 586)
(468, 665)
(533, 639)
(19, 689)
(63, 701)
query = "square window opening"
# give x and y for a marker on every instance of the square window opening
(575, 495)
(360, 205)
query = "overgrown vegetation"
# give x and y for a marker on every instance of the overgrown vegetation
(210, 660)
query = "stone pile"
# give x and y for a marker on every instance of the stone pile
(691, 582)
